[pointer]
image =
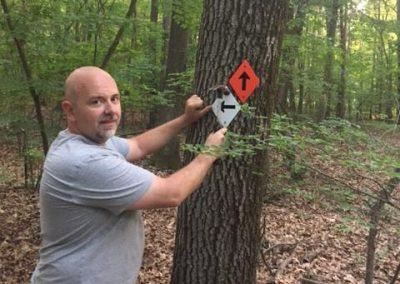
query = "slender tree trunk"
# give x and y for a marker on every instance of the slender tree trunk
(100, 10)
(118, 36)
(154, 11)
(301, 87)
(388, 97)
(341, 102)
(218, 227)
(325, 100)
(296, 14)
(167, 28)
(169, 156)
(375, 214)
(153, 39)
(398, 61)
(28, 74)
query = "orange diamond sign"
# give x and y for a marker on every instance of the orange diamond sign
(243, 81)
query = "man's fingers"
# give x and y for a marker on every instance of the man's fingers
(205, 110)
(222, 131)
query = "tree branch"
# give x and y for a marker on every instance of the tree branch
(118, 36)
(352, 188)
(28, 74)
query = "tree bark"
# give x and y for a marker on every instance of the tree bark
(28, 74)
(218, 227)
(118, 36)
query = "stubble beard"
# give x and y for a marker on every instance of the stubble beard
(106, 131)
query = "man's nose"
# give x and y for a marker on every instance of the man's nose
(109, 108)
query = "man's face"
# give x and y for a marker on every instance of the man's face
(97, 109)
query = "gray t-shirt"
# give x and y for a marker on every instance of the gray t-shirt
(87, 236)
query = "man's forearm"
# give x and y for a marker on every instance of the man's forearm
(172, 190)
(154, 139)
(183, 182)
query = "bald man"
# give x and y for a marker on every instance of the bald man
(91, 193)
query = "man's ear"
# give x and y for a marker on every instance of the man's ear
(68, 109)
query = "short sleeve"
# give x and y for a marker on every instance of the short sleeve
(108, 181)
(119, 144)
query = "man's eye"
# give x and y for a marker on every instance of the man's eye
(115, 99)
(95, 102)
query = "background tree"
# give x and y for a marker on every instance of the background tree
(341, 100)
(286, 96)
(169, 157)
(325, 100)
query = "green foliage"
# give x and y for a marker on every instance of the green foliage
(187, 13)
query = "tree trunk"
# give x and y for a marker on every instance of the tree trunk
(341, 102)
(301, 87)
(218, 227)
(287, 90)
(398, 62)
(153, 39)
(375, 214)
(169, 157)
(324, 102)
(166, 27)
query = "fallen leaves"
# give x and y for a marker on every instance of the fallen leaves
(306, 238)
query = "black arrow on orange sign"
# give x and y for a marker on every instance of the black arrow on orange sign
(244, 78)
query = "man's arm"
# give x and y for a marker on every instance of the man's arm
(156, 138)
(172, 190)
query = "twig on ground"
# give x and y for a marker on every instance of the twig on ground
(285, 263)
(310, 281)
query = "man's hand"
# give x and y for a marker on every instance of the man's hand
(216, 138)
(194, 109)
(213, 141)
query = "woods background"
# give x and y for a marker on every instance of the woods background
(320, 135)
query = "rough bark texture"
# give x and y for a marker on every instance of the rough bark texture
(168, 157)
(218, 228)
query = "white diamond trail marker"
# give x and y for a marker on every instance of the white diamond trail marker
(225, 109)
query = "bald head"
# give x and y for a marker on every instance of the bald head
(82, 80)
(92, 103)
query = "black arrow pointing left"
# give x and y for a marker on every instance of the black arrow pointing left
(224, 106)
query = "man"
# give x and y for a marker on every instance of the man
(90, 193)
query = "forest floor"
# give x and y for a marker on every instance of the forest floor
(306, 236)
